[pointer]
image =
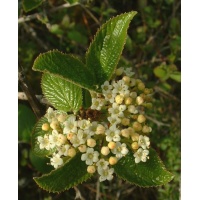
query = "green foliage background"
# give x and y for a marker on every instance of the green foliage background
(152, 49)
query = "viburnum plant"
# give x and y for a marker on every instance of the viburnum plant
(97, 122)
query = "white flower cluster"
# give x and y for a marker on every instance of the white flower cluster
(103, 143)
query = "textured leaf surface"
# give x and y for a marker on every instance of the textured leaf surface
(31, 4)
(104, 52)
(26, 121)
(148, 174)
(37, 131)
(70, 174)
(66, 67)
(62, 94)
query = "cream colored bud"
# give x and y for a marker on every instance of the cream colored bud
(146, 129)
(71, 152)
(137, 126)
(100, 129)
(141, 118)
(125, 133)
(135, 136)
(134, 145)
(141, 86)
(54, 125)
(62, 138)
(128, 100)
(112, 160)
(91, 142)
(139, 100)
(82, 148)
(91, 169)
(126, 79)
(119, 71)
(111, 145)
(148, 105)
(70, 135)
(62, 117)
(125, 121)
(119, 99)
(133, 95)
(131, 130)
(45, 127)
(105, 150)
(132, 82)
(132, 109)
(147, 91)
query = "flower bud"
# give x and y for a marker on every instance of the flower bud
(70, 135)
(62, 138)
(54, 125)
(126, 79)
(111, 145)
(112, 160)
(91, 169)
(137, 126)
(139, 100)
(146, 129)
(135, 137)
(82, 148)
(71, 152)
(141, 118)
(91, 142)
(147, 91)
(132, 82)
(105, 150)
(62, 117)
(119, 71)
(132, 109)
(125, 121)
(119, 99)
(100, 129)
(125, 133)
(45, 127)
(141, 86)
(128, 100)
(134, 145)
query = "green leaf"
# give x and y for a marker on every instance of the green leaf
(176, 76)
(37, 131)
(62, 94)
(70, 174)
(40, 163)
(29, 5)
(145, 174)
(26, 121)
(105, 50)
(66, 67)
(161, 72)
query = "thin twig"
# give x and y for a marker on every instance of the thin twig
(40, 98)
(25, 86)
(158, 123)
(78, 194)
(98, 190)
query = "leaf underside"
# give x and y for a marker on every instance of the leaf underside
(62, 94)
(145, 174)
(29, 5)
(70, 174)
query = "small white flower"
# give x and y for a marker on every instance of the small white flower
(56, 161)
(97, 104)
(93, 127)
(117, 110)
(70, 125)
(102, 164)
(77, 139)
(143, 141)
(120, 150)
(114, 120)
(44, 142)
(110, 97)
(50, 114)
(54, 139)
(128, 72)
(132, 109)
(141, 155)
(106, 174)
(63, 150)
(112, 134)
(106, 87)
(119, 87)
(84, 124)
(90, 156)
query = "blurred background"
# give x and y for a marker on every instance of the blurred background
(153, 50)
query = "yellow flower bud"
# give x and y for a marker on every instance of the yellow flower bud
(139, 100)
(119, 99)
(45, 127)
(141, 118)
(135, 136)
(137, 126)
(112, 160)
(71, 152)
(111, 145)
(119, 71)
(82, 148)
(125, 133)
(55, 125)
(105, 151)
(62, 138)
(146, 129)
(126, 79)
(125, 121)
(134, 145)
(128, 100)
(91, 142)
(91, 169)
(100, 129)
(70, 135)
(62, 117)
(141, 86)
